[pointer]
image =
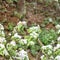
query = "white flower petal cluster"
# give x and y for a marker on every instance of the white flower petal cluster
(34, 34)
(31, 43)
(22, 22)
(56, 47)
(57, 26)
(58, 31)
(50, 20)
(47, 46)
(2, 34)
(56, 0)
(23, 54)
(5, 52)
(47, 49)
(2, 46)
(57, 57)
(13, 43)
(1, 27)
(58, 39)
(24, 41)
(42, 57)
(52, 57)
(49, 52)
(19, 24)
(17, 36)
(2, 39)
(35, 28)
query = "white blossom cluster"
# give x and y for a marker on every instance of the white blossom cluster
(18, 42)
(2, 34)
(57, 57)
(20, 23)
(2, 41)
(48, 52)
(34, 31)
(58, 28)
(22, 55)
(34, 28)
(57, 47)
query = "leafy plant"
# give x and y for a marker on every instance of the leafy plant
(10, 26)
(47, 36)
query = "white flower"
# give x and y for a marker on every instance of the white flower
(58, 39)
(58, 32)
(56, 0)
(2, 39)
(5, 52)
(57, 47)
(44, 47)
(34, 34)
(9, 34)
(13, 43)
(50, 20)
(1, 27)
(57, 26)
(42, 57)
(2, 46)
(23, 54)
(35, 28)
(31, 43)
(47, 46)
(22, 22)
(24, 41)
(2, 33)
(49, 52)
(16, 35)
(51, 57)
(57, 57)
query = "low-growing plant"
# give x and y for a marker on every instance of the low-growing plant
(47, 36)
(10, 26)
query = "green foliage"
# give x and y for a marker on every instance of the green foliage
(57, 21)
(1, 51)
(47, 21)
(11, 1)
(35, 49)
(57, 52)
(11, 49)
(10, 26)
(47, 36)
(20, 28)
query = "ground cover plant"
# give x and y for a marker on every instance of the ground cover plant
(29, 30)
